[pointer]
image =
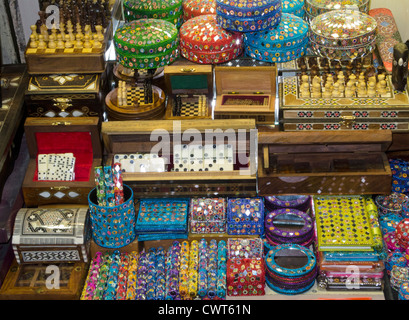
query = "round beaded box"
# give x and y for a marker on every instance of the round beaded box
(391, 203)
(169, 10)
(343, 34)
(146, 44)
(248, 15)
(314, 8)
(288, 41)
(402, 233)
(194, 8)
(203, 41)
(295, 7)
(299, 202)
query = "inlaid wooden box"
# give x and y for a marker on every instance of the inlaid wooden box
(59, 95)
(80, 136)
(36, 282)
(246, 92)
(387, 111)
(194, 85)
(164, 137)
(332, 162)
(51, 235)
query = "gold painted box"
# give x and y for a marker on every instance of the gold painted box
(51, 235)
(330, 162)
(310, 105)
(79, 136)
(246, 93)
(70, 95)
(159, 159)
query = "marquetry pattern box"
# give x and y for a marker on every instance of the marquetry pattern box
(331, 162)
(79, 136)
(51, 235)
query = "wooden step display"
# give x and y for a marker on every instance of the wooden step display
(160, 159)
(332, 163)
(79, 136)
(246, 93)
(190, 92)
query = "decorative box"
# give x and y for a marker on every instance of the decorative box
(252, 98)
(287, 41)
(331, 162)
(162, 219)
(80, 136)
(400, 179)
(203, 41)
(248, 15)
(194, 8)
(207, 215)
(238, 248)
(314, 8)
(31, 282)
(245, 216)
(190, 92)
(351, 282)
(356, 40)
(169, 10)
(295, 7)
(290, 269)
(65, 95)
(245, 277)
(146, 44)
(391, 203)
(51, 235)
(190, 176)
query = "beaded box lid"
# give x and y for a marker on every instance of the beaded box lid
(314, 8)
(343, 34)
(194, 8)
(245, 216)
(157, 9)
(295, 7)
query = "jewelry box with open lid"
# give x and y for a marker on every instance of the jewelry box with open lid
(245, 93)
(168, 141)
(80, 136)
(190, 91)
(331, 162)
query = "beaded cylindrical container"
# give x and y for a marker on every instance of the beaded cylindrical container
(248, 15)
(203, 41)
(295, 7)
(194, 8)
(314, 8)
(404, 291)
(402, 233)
(390, 204)
(169, 10)
(288, 41)
(146, 44)
(343, 35)
(113, 227)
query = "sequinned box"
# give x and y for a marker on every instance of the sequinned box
(245, 216)
(208, 215)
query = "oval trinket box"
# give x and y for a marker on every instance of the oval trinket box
(314, 8)
(248, 15)
(146, 44)
(203, 41)
(288, 41)
(295, 7)
(343, 34)
(194, 8)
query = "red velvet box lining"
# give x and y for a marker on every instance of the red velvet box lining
(78, 143)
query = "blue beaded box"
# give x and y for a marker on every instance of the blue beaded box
(295, 7)
(288, 41)
(245, 216)
(248, 15)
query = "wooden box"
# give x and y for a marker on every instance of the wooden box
(59, 95)
(51, 235)
(80, 136)
(32, 282)
(388, 111)
(333, 162)
(192, 84)
(161, 137)
(246, 92)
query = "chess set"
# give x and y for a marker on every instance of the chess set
(131, 96)
(211, 157)
(56, 166)
(190, 106)
(76, 44)
(324, 95)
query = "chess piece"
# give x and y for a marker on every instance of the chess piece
(78, 43)
(52, 44)
(316, 88)
(381, 85)
(33, 41)
(400, 66)
(100, 35)
(361, 91)
(96, 43)
(87, 42)
(304, 78)
(371, 92)
(41, 43)
(328, 91)
(34, 32)
(44, 32)
(60, 42)
(336, 92)
(305, 90)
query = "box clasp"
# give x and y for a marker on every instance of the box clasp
(188, 70)
(62, 103)
(347, 121)
(61, 123)
(60, 188)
